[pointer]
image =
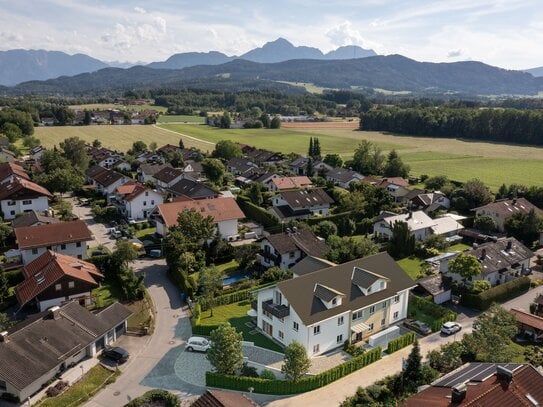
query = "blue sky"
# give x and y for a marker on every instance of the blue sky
(506, 33)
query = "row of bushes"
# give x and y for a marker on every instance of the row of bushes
(336, 218)
(155, 397)
(438, 313)
(499, 293)
(14, 277)
(256, 213)
(304, 384)
(233, 297)
(401, 342)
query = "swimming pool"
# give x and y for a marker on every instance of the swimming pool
(235, 279)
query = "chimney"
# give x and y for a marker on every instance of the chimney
(514, 201)
(4, 337)
(55, 312)
(483, 254)
(504, 374)
(458, 393)
(509, 246)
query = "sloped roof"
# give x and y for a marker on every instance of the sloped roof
(50, 267)
(343, 174)
(22, 187)
(309, 264)
(52, 234)
(507, 207)
(282, 183)
(9, 169)
(415, 220)
(299, 291)
(525, 318)
(107, 177)
(31, 218)
(501, 254)
(304, 240)
(41, 343)
(138, 190)
(94, 171)
(221, 398)
(126, 188)
(152, 169)
(168, 174)
(306, 197)
(365, 278)
(220, 209)
(192, 189)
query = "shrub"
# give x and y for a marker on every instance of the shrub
(267, 374)
(249, 371)
(232, 297)
(256, 213)
(155, 398)
(436, 312)
(401, 342)
(57, 389)
(499, 293)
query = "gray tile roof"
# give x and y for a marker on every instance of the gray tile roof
(326, 293)
(299, 291)
(309, 264)
(303, 240)
(31, 218)
(306, 197)
(192, 189)
(364, 278)
(504, 253)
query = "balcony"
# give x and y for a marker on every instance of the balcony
(278, 311)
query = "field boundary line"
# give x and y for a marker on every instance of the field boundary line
(185, 135)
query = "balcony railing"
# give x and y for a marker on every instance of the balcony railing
(278, 311)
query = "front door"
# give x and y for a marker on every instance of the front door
(267, 328)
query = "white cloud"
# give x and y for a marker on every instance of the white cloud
(454, 53)
(140, 10)
(344, 34)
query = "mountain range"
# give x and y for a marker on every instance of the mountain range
(19, 65)
(535, 71)
(392, 72)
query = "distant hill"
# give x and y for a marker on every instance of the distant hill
(537, 72)
(349, 52)
(183, 60)
(393, 72)
(281, 50)
(21, 65)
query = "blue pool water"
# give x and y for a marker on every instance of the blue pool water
(234, 279)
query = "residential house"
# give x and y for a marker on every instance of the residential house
(11, 171)
(264, 157)
(47, 345)
(343, 176)
(69, 238)
(106, 181)
(286, 183)
(419, 224)
(53, 279)
(36, 152)
(221, 398)
(121, 165)
(529, 324)
(301, 204)
(503, 209)
(299, 166)
(224, 211)
(147, 171)
(284, 250)
(21, 196)
(149, 157)
(427, 201)
(501, 260)
(263, 178)
(539, 305)
(438, 287)
(6, 155)
(192, 189)
(309, 264)
(47, 121)
(167, 177)
(483, 385)
(136, 201)
(348, 302)
(241, 166)
(32, 218)
(194, 169)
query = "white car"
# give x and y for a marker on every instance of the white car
(449, 328)
(197, 343)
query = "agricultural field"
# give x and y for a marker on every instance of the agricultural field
(179, 118)
(99, 106)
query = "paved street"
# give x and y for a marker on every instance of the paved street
(99, 231)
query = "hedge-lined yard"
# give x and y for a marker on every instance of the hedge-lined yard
(427, 311)
(401, 342)
(499, 293)
(308, 383)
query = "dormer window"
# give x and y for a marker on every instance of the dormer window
(334, 301)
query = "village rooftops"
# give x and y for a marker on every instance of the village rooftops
(499, 255)
(303, 240)
(343, 174)
(32, 218)
(22, 188)
(507, 207)
(53, 234)
(167, 174)
(309, 264)
(192, 189)
(220, 209)
(152, 169)
(107, 177)
(9, 169)
(306, 198)
(299, 291)
(415, 220)
(282, 183)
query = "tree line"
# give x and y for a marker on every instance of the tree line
(502, 125)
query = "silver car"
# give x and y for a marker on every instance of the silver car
(197, 343)
(449, 328)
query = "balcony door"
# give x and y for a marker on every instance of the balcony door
(267, 328)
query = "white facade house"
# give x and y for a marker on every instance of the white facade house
(106, 181)
(301, 204)
(20, 196)
(136, 201)
(343, 177)
(324, 308)
(503, 209)
(68, 238)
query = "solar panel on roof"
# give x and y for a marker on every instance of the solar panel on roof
(473, 372)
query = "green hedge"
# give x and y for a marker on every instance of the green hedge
(257, 213)
(401, 342)
(204, 330)
(155, 397)
(499, 293)
(438, 313)
(14, 277)
(308, 383)
(231, 298)
(332, 218)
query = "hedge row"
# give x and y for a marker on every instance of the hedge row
(499, 293)
(231, 298)
(438, 323)
(308, 383)
(438, 313)
(332, 218)
(155, 397)
(14, 277)
(401, 342)
(257, 213)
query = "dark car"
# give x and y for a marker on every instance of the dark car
(418, 326)
(119, 355)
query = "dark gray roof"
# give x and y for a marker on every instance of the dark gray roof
(167, 174)
(435, 285)
(241, 165)
(192, 189)
(107, 177)
(364, 278)
(38, 345)
(299, 162)
(309, 264)
(32, 218)
(306, 197)
(304, 240)
(343, 174)
(326, 293)
(152, 169)
(495, 256)
(299, 291)
(94, 171)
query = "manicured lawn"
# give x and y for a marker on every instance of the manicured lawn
(228, 268)
(141, 234)
(106, 294)
(458, 247)
(97, 106)
(411, 265)
(84, 389)
(236, 314)
(180, 118)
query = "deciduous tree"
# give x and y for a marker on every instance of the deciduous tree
(227, 149)
(466, 265)
(225, 353)
(296, 363)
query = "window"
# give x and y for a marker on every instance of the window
(383, 322)
(27, 202)
(71, 284)
(396, 299)
(334, 301)
(48, 247)
(11, 203)
(370, 327)
(266, 313)
(152, 201)
(395, 316)
(369, 290)
(34, 251)
(146, 193)
(58, 287)
(12, 212)
(357, 314)
(281, 336)
(3, 385)
(63, 247)
(292, 254)
(339, 339)
(340, 320)
(384, 305)
(78, 244)
(316, 348)
(144, 203)
(372, 309)
(382, 285)
(79, 256)
(316, 330)
(295, 326)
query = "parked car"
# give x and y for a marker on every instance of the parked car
(449, 328)
(116, 234)
(197, 343)
(155, 253)
(418, 326)
(118, 354)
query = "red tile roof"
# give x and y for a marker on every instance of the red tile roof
(525, 318)
(220, 209)
(50, 267)
(9, 169)
(136, 192)
(126, 189)
(291, 182)
(53, 234)
(22, 187)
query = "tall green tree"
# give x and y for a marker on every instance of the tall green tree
(413, 374)
(395, 167)
(227, 149)
(75, 150)
(311, 149)
(466, 265)
(211, 285)
(4, 287)
(368, 159)
(214, 170)
(296, 362)
(225, 121)
(333, 160)
(255, 193)
(402, 242)
(61, 180)
(275, 123)
(225, 353)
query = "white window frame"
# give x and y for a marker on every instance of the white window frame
(316, 330)
(340, 320)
